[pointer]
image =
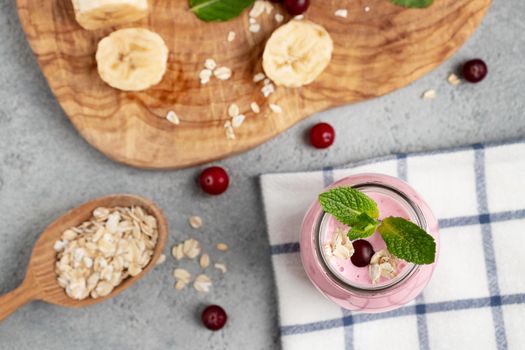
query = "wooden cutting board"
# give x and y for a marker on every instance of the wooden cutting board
(376, 51)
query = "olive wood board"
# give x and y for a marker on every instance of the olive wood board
(375, 52)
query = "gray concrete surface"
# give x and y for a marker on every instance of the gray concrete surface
(46, 168)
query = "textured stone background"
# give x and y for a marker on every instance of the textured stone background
(46, 168)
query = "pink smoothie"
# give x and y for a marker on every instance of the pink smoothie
(343, 268)
(349, 286)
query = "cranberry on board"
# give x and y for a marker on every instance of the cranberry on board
(214, 180)
(322, 135)
(296, 7)
(475, 70)
(363, 253)
(214, 317)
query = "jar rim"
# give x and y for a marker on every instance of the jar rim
(396, 282)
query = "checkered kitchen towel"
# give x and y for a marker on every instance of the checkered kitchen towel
(476, 298)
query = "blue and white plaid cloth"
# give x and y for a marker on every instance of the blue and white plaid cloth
(476, 298)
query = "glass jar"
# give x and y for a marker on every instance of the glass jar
(394, 198)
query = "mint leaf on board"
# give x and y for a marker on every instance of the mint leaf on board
(413, 3)
(364, 226)
(408, 241)
(347, 203)
(218, 10)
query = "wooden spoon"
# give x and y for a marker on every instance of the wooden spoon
(40, 282)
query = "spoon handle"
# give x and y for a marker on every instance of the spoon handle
(18, 297)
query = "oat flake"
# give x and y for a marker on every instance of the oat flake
(276, 108)
(173, 118)
(255, 107)
(195, 222)
(429, 95)
(233, 110)
(222, 247)
(238, 120)
(341, 13)
(453, 79)
(254, 28)
(210, 64)
(223, 73)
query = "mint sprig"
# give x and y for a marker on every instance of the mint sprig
(408, 241)
(413, 3)
(218, 10)
(347, 204)
(403, 238)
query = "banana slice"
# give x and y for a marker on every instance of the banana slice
(297, 53)
(95, 14)
(132, 59)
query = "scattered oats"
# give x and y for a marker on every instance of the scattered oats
(342, 13)
(180, 285)
(267, 81)
(231, 36)
(205, 260)
(258, 77)
(195, 222)
(279, 18)
(221, 267)
(161, 259)
(177, 251)
(222, 247)
(453, 79)
(276, 108)
(254, 28)
(238, 120)
(230, 133)
(267, 90)
(257, 9)
(182, 275)
(429, 95)
(367, 9)
(210, 64)
(255, 107)
(202, 283)
(191, 248)
(223, 73)
(173, 118)
(252, 20)
(233, 110)
(298, 18)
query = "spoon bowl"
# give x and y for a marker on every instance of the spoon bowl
(40, 282)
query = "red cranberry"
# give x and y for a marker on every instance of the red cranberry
(322, 135)
(362, 254)
(474, 71)
(214, 180)
(296, 7)
(214, 317)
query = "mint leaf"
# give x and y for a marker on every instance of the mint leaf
(408, 241)
(413, 3)
(218, 10)
(347, 203)
(364, 226)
